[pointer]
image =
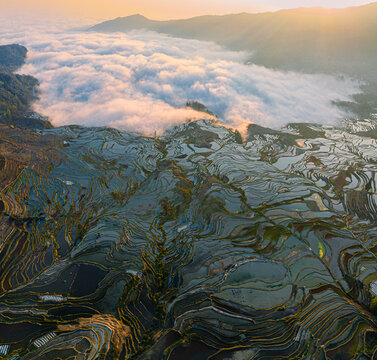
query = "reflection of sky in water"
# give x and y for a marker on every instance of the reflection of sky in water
(192, 245)
(255, 232)
(238, 242)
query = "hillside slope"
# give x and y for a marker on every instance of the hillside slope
(12, 57)
(306, 39)
(17, 92)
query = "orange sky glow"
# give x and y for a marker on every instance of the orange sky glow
(162, 9)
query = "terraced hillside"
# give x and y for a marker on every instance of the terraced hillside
(194, 245)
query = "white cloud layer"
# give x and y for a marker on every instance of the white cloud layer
(141, 81)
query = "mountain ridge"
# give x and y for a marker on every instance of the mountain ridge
(301, 9)
(303, 39)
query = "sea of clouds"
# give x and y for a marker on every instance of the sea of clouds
(141, 81)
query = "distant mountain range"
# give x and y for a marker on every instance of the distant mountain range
(304, 39)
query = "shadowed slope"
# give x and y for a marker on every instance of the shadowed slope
(314, 39)
(12, 57)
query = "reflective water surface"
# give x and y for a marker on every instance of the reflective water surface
(193, 245)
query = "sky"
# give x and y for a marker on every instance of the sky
(161, 9)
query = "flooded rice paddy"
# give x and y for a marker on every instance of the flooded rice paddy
(195, 245)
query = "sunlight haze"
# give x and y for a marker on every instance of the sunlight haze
(164, 9)
(188, 179)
